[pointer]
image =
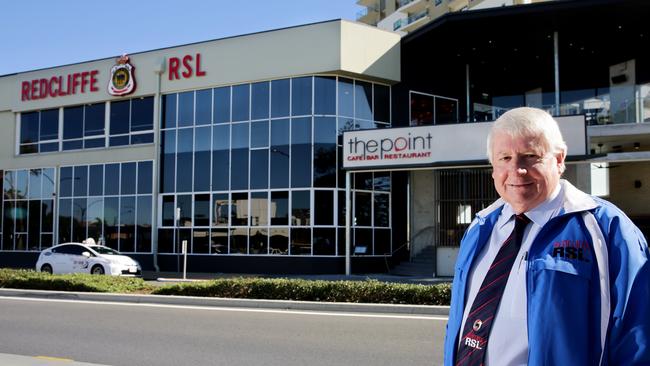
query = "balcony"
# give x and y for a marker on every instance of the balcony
(369, 15)
(367, 3)
(412, 22)
(411, 6)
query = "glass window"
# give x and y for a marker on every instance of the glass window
(65, 182)
(324, 95)
(300, 241)
(29, 127)
(202, 142)
(260, 134)
(221, 209)
(240, 102)
(323, 208)
(239, 209)
(168, 163)
(221, 157)
(280, 98)
(200, 241)
(382, 103)
(145, 179)
(112, 179)
(185, 109)
(421, 109)
(111, 221)
(239, 156)
(301, 96)
(446, 111)
(142, 114)
(143, 222)
(259, 209)
(35, 182)
(300, 208)
(363, 100)
(49, 124)
(80, 181)
(346, 97)
(239, 241)
(259, 241)
(48, 182)
(202, 210)
(204, 107)
(184, 162)
(363, 209)
(22, 184)
(184, 203)
(73, 118)
(324, 241)
(127, 224)
(324, 152)
(94, 120)
(221, 105)
(301, 152)
(259, 169)
(279, 153)
(260, 100)
(168, 211)
(128, 177)
(95, 218)
(280, 208)
(219, 241)
(279, 241)
(120, 114)
(381, 209)
(169, 111)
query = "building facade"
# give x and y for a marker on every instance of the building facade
(240, 147)
(229, 146)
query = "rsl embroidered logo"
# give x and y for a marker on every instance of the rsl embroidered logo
(122, 80)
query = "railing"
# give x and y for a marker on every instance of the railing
(400, 23)
(404, 2)
(616, 106)
(422, 239)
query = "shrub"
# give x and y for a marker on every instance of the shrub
(369, 291)
(28, 279)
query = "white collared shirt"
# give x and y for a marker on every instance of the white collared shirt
(508, 341)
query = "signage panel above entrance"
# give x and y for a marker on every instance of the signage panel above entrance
(443, 144)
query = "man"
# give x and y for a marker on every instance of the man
(547, 275)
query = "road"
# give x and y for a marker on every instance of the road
(138, 334)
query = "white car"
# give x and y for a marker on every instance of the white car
(86, 258)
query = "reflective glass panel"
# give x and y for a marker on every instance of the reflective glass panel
(141, 114)
(94, 119)
(29, 127)
(221, 209)
(324, 95)
(346, 97)
(112, 179)
(202, 210)
(128, 178)
(120, 114)
(240, 102)
(279, 208)
(300, 208)
(301, 96)
(50, 124)
(204, 107)
(169, 111)
(259, 169)
(202, 142)
(259, 209)
(239, 209)
(363, 100)
(221, 157)
(80, 180)
(382, 103)
(280, 98)
(221, 105)
(260, 100)
(184, 159)
(259, 241)
(73, 118)
(279, 241)
(186, 109)
(300, 241)
(323, 208)
(324, 241)
(279, 153)
(145, 180)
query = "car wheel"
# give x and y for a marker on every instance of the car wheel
(97, 270)
(46, 268)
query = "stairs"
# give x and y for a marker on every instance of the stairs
(421, 266)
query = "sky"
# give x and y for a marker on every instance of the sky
(36, 34)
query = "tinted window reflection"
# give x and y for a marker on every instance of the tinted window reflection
(239, 209)
(120, 112)
(279, 241)
(280, 211)
(221, 157)
(29, 123)
(185, 109)
(259, 241)
(362, 208)
(168, 211)
(128, 178)
(324, 152)
(382, 209)
(184, 160)
(301, 96)
(144, 177)
(141, 114)
(202, 147)
(301, 152)
(346, 97)
(49, 124)
(240, 102)
(323, 208)
(259, 169)
(300, 241)
(259, 209)
(168, 164)
(169, 111)
(324, 241)
(73, 122)
(239, 156)
(202, 210)
(324, 95)
(279, 153)
(221, 209)
(280, 98)
(221, 105)
(112, 179)
(363, 100)
(260, 100)
(260, 134)
(204, 107)
(300, 208)
(382, 103)
(94, 119)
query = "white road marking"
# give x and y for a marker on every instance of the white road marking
(253, 310)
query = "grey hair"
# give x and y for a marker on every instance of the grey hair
(530, 122)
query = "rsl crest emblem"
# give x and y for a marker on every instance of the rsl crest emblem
(122, 80)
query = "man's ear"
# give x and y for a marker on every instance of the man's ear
(560, 157)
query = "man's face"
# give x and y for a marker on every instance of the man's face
(524, 175)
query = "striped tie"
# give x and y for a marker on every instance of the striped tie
(479, 320)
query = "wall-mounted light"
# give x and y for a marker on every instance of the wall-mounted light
(637, 145)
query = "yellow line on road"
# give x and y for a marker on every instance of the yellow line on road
(54, 358)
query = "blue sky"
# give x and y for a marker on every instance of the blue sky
(36, 34)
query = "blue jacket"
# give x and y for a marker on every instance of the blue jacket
(587, 285)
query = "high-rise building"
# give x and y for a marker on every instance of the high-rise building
(405, 16)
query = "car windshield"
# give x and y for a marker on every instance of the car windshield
(104, 250)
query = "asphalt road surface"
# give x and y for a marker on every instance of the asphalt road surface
(136, 334)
